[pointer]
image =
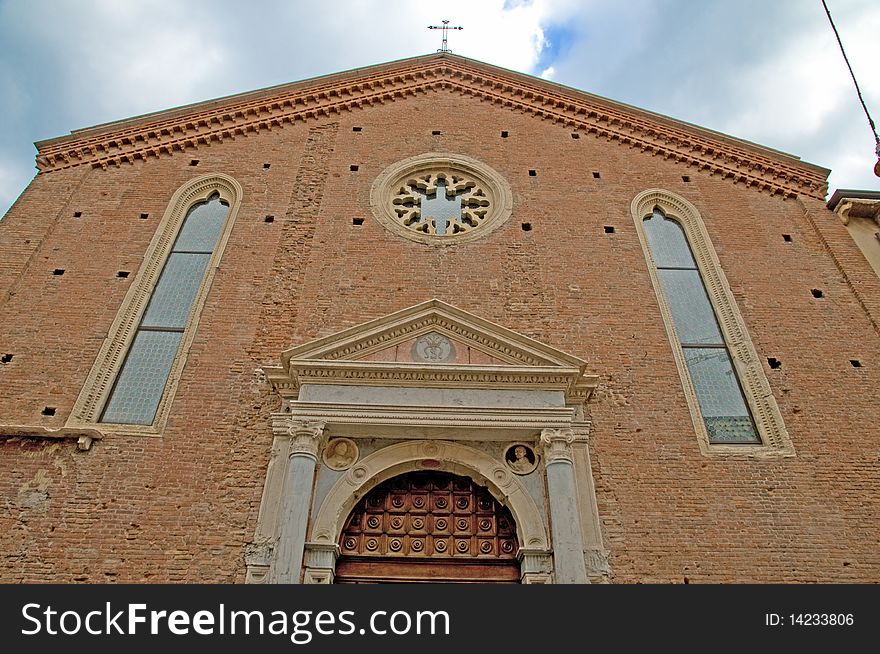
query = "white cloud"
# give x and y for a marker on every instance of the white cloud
(794, 92)
(13, 179)
(802, 100)
(75, 63)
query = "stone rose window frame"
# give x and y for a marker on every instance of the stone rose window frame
(399, 194)
(99, 384)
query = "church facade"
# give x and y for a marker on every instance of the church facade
(433, 320)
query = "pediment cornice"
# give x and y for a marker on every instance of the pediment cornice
(517, 362)
(187, 128)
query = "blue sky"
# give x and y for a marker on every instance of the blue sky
(769, 72)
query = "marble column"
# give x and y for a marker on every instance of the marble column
(306, 439)
(568, 543)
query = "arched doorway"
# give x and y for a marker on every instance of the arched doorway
(428, 527)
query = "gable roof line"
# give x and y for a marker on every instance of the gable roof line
(653, 115)
(176, 130)
(300, 85)
(245, 96)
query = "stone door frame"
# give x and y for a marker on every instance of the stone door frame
(344, 385)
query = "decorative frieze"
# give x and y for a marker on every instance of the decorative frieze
(342, 358)
(176, 131)
(433, 421)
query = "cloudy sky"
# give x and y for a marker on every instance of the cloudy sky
(764, 70)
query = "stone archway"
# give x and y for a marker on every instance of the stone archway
(428, 526)
(533, 545)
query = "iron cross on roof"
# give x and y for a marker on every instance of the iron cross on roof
(445, 27)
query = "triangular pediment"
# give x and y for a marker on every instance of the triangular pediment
(432, 343)
(207, 123)
(395, 336)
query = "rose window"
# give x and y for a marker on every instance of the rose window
(441, 199)
(441, 203)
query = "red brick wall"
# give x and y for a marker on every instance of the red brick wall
(182, 507)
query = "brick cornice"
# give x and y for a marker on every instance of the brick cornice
(184, 129)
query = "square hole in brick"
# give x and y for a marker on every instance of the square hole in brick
(533, 173)
(855, 363)
(596, 174)
(48, 411)
(122, 274)
(356, 129)
(435, 132)
(685, 178)
(266, 166)
(609, 229)
(58, 271)
(269, 219)
(194, 162)
(527, 227)
(505, 134)
(353, 168)
(817, 293)
(786, 238)
(77, 214)
(575, 135)
(357, 221)
(6, 358)
(144, 216)
(774, 363)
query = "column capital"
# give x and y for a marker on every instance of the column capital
(557, 444)
(306, 437)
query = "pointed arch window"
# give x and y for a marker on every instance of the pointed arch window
(731, 404)
(722, 405)
(135, 375)
(142, 379)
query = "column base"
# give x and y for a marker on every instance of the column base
(258, 560)
(598, 568)
(536, 566)
(320, 563)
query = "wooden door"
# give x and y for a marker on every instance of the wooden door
(428, 527)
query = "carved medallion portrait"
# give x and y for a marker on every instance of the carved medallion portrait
(521, 458)
(340, 453)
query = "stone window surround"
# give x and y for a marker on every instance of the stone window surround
(386, 186)
(775, 441)
(99, 383)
